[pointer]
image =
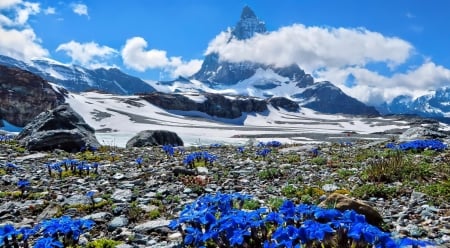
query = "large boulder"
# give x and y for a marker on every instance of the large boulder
(342, 202)
(60, 128)
(416, 133)
(155, 138)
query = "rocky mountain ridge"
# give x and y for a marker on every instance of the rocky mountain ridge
(77, 78)
(24, 95)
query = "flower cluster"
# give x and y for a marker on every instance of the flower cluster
(215, 145)
(263, 152)
(56, 232)
(73, 165)
(6, 138)
(193, 157)
(419, 145)
(9, 166)
(216, 220)
(272, 143)
(169, 150)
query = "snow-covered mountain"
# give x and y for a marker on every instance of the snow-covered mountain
(260, 80)
(435, 105)
(78, 79)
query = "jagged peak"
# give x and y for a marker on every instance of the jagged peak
(248, 25)
(247, 12)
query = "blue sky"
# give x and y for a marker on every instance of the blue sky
(373, 50)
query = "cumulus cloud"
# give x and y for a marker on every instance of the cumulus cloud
(136, 56)
(4, 4)
(20, 13)
(80, 9)
(313, 47)
(18, 39)
(374, 88)
(20, 44)
(90, 54)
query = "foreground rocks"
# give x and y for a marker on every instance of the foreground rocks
(60, 128)
(134, 203)
(155, 138)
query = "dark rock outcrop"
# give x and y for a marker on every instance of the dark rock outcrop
(215, 104)
(60, 128)
(24, 95)
(327, 98)
(155, 138)
(282, 102)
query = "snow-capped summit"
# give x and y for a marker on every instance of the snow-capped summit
(264, 80)
(248, 25)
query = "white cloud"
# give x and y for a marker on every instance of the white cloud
(135, 56)
(18, 39)
(90, 54)
(374, 88)
(80, 9)
(21, 44)
(314, 47)
(21, 11)
(50, 11)
(4, 4)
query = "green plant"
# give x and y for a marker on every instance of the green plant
(438, 191)
(134, 211)
(103, 243)
(275, 202)
(154, 214)
(251, 204)
(374, 190)
(270, 173)
(290, 191)
(319, 160)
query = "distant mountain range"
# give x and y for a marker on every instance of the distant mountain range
(246, 78)
(77, 78)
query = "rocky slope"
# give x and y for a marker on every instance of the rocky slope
(24, 95)
(78, 79)
(134, 203)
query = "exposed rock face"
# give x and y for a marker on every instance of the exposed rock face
(343, 203)
(60, 128)
(282, 102)
(77, 78)
(24, 95)
(415, 133)
(214, 105)
(327, 98)
(155, 138)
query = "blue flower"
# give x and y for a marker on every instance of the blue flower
(315, 230)
(240, 149)
(23, 183)
(47, 242)
(238, 236)
(90, 194)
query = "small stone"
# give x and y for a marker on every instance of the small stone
(119, 221)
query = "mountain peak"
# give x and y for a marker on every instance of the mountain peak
(247, 12)
(248, 25)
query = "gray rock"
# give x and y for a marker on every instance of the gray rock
(154, 138)
(77, 199)
(151, 225)
(119, 221)
(60, 128)
(284, 103)
(415, 133)
(122, 195)
(100, 217)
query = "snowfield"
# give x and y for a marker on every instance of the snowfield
(118, 118)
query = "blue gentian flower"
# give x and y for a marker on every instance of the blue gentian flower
(47, 242)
